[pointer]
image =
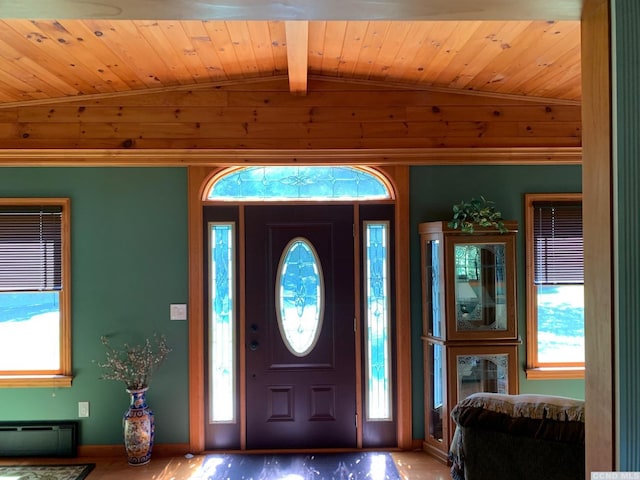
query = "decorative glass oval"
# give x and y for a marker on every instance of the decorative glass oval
(281, 183)
(299, 296)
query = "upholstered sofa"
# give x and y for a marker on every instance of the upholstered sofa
(523, 437)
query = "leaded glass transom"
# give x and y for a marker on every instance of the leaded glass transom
(281, 183)
(299, 296)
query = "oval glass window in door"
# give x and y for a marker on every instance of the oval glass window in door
(299, 296)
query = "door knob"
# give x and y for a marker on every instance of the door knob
(253, 346)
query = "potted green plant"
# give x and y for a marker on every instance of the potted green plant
(482, 213)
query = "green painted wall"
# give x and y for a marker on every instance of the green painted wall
(433, 191)
(129, 262)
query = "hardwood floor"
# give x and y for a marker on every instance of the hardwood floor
(411, 466)
(420, 466)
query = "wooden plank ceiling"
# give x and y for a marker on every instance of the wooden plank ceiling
(45, 60)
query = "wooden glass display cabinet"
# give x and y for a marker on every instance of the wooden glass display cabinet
(469, 327)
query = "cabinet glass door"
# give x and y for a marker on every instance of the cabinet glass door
(433, 288)
(436, 392)
(482, 373)
(480, 286)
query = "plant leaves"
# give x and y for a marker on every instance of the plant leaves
(476, 211)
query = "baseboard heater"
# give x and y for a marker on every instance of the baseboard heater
(39, 439)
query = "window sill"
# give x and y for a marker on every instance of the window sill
(554, 373)
(38, 381)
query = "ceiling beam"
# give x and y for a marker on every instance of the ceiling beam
(297, 9)
(297, 33)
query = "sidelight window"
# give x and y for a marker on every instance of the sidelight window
(377, 337)
(222, 325)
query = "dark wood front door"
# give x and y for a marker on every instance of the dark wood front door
(300, 399)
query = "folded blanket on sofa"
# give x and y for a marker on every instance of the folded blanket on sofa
(527, 405)
(536, 418)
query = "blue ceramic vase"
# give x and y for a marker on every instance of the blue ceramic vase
(139, 428)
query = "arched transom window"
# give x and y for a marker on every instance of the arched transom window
(287, 183)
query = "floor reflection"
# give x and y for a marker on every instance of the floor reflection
(329, 466)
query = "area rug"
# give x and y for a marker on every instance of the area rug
(323, 466)
(46, 472)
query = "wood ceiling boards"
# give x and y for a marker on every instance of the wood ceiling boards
(44, 60)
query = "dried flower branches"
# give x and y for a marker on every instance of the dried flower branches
(134, 365)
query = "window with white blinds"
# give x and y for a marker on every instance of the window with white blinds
(35, 325)
(30, 248)
(558, 242)
(555, 285)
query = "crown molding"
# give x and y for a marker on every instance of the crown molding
(227, 157)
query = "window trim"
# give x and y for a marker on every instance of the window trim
(64, 377)
(534, 370)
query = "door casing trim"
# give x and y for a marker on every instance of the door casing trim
(197, 179)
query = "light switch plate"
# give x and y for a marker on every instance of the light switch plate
(83, 409)
(178, 311)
